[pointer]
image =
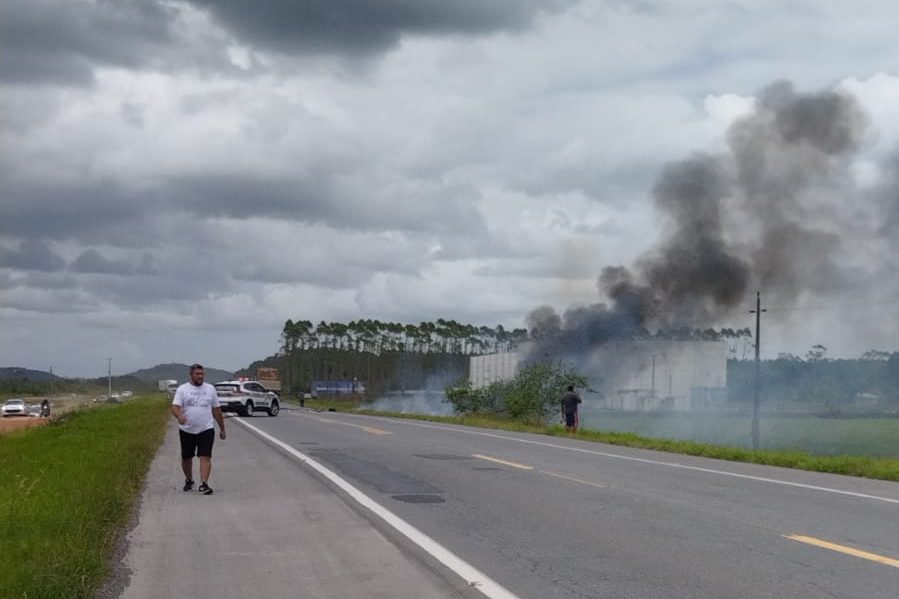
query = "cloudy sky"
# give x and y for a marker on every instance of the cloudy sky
(179, 177)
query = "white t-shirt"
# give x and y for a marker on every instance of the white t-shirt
(196, 403)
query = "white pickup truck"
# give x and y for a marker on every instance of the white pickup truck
(246, 398)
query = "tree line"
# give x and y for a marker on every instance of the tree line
(366, 335)
(392, 356)
(386, 356)
(820, 384)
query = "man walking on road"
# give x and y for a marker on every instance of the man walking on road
(196, 407)
(569, 409)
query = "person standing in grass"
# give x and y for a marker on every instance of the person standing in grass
(569, 409)
(196, 407)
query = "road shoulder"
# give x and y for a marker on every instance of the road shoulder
(271, 529)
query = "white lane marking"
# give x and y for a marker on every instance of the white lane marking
(503, 462)
(474, 577)
(648, 461)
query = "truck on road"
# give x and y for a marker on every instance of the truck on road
(164, 384)
(269, 378)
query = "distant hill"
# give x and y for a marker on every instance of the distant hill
(15, 373)
(179, 373)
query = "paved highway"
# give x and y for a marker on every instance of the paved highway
(326, 505)
(555, 517)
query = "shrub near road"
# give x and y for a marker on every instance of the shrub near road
(66, 491)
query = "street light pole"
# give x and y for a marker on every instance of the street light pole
(758, 343)
(109, 377)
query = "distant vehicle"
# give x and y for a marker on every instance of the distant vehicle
(246, 397)
(164, 384)
(171, 388)
(268, 378)
(354, 387)
(14, 407)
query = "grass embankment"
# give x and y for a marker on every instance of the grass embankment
(861, 466)
(66, 492)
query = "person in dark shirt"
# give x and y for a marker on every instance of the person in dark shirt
(569, 409)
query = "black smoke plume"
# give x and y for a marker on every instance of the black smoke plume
(773, 212)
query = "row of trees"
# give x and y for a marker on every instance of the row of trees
(442, 336)
(387, 356)
(818, 383)
(389, 371)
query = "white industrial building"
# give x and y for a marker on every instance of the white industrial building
(492, 368)
(642, 375)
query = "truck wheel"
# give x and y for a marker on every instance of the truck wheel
(248, 409)
(274, 408)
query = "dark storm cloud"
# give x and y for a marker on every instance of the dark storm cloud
(356, 27)
(31, 255)
(324, 197)
(148, 266)
(92, 261)
(245, 196)
(88, 211)
(61, 41)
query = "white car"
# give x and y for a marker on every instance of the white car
(247, 397)
(14, 407)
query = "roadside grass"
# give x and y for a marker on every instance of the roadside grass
(821, 436)
(861, 466)
(66, 492)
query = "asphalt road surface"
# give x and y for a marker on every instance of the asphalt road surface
(472, 512)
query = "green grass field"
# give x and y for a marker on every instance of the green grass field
(661, 434)
(871, 437)
(863, 437)
(66, 491)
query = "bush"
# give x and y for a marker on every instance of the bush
(531, 397)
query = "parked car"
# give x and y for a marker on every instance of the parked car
(247, 397)
(14, 407)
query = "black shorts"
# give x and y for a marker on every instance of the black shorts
(199, 444)
(570, 418)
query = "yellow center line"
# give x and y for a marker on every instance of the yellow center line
(847, 550)
(368, 429)
(576, 480)
(499, 461)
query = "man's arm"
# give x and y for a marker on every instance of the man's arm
(217, 414)
(176, 410)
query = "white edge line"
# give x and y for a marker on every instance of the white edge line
(474, 577)
(657, 462)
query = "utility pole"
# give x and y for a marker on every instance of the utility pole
(109, 377)
(758, 343)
